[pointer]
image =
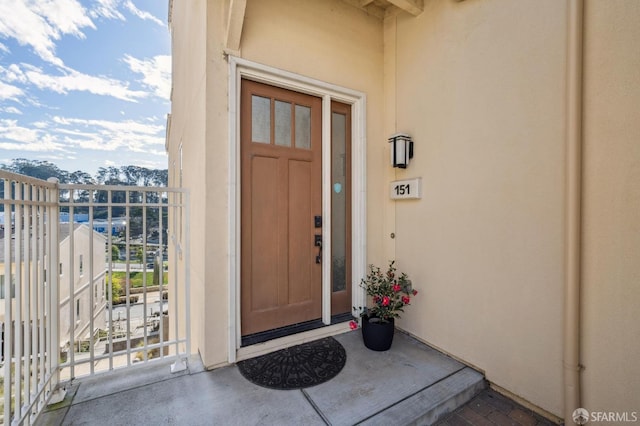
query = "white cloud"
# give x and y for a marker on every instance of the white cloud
(71, 80)
(141, 14)
(107, 135)
(10, 92)
(110, 9)
(11, 110)
(156, 73)
(107, 9)
(115, 126)
(39, 23)
(76, 81)
(65, 16)
(4, 48)
(68, 135)
(14, 73)
(16, 137)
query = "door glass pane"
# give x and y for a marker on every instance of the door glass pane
(260, 119)
(283, 123)
(303, 127)
(338, 202)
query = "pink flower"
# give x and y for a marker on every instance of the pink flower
(353, 325)
(385, 301)
(406, 300)
(414, 292)
(397, 288)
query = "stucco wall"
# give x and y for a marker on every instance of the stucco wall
(215, 256)
(611, 244)
(188, 128)
(480, 87)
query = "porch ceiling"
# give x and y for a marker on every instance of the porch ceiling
(381, 7)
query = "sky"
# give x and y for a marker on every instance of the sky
(84, 84)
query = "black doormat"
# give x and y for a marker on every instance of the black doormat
(296, 367)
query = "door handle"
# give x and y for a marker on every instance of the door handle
(317, 241)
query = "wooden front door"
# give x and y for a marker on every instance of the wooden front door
(281, 151)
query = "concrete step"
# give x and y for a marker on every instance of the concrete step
(434, 402)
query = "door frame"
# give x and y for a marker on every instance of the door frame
(240, 68)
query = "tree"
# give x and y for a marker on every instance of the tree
(124, 175)
(116, 291)
(37, 169)
(81, 178)
(115, 253)
(140, 255)
(108, 176)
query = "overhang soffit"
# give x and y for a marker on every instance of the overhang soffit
(380, 8)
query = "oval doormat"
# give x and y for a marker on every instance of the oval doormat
(297, 367)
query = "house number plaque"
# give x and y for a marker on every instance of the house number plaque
(408, 189)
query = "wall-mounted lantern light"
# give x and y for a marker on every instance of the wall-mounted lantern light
(401, 150)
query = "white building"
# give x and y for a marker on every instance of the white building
(79, 287)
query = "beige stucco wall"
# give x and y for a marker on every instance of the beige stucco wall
(480, 87)
(216, 247)
(188, 129)
(611, 242)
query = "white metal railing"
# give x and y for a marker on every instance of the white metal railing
(29, 312)
(113, 268)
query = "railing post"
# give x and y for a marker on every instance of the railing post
(8, 319)
(53, 292)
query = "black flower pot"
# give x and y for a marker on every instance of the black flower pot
(377, 335)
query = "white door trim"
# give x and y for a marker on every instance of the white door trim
(241, 68)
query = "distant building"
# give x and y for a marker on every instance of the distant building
(86, 280)
(104, 226)
(110, 228)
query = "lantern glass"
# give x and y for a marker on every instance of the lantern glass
(401, 150)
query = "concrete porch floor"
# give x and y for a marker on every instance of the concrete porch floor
(409, 384)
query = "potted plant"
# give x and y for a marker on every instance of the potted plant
(390, 292)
